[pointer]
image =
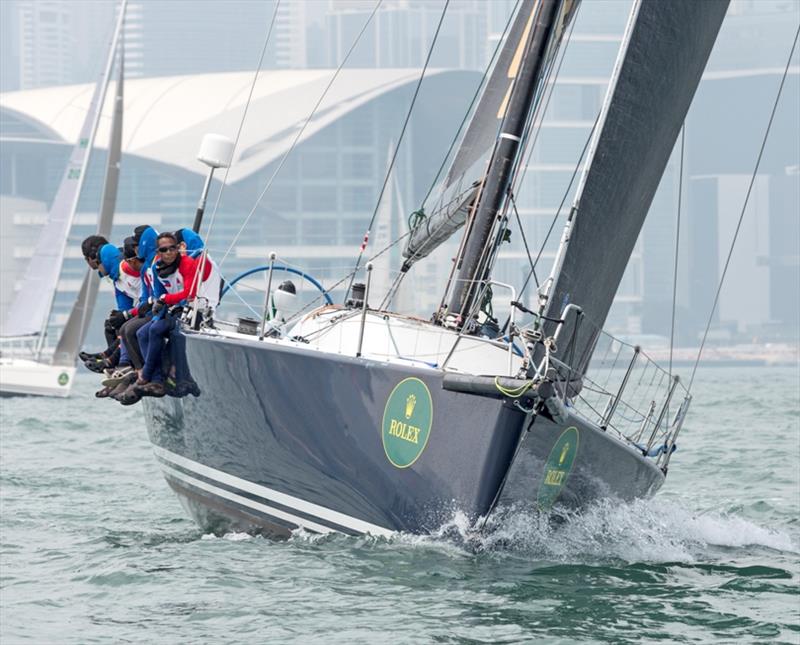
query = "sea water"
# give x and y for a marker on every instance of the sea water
(95, 548)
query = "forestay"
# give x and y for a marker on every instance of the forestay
(662, 58)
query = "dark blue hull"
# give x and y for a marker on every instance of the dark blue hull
(284, 437)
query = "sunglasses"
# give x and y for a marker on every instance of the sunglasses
(167, 249)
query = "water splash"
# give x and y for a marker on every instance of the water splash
(643, 531)
(646, 530)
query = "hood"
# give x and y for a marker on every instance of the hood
(110, 257)
(147, 245)
(194, 243)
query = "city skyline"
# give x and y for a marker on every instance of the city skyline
(711, 182)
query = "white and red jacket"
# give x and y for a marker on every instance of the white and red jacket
(179, 285)
(129, 282)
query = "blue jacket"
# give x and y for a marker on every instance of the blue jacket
(110, 257)
(147, 252)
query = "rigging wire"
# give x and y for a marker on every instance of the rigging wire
(744, 208)
(489, 251)
(301, 130)
(522, 234)
(203, 256)
(563, 52)
(398, 280)
(397, 147)
(677, 247)
(244, 116)
(560, 206)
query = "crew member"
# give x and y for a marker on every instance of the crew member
(173, 287)
(128, 291)
(97, 362)
(143, 243)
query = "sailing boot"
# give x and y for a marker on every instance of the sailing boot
(104, 392)
(97, 365)
(185, 388)
(170, 387)
(123, 385)
(118, 376)
(129, 395)
(153, 388)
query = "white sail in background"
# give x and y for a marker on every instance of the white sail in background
(30, 311)
(81, 314)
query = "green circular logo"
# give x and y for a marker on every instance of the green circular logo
(63, 378)
(407, 421)
(558, 467)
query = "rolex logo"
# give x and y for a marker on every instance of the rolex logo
(411, 401)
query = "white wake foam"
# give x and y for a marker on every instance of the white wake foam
(649, 531)
(643, 531)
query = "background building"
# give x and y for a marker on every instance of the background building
(321, 197)
(316, 208)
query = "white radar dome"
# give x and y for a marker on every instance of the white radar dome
(216, 151)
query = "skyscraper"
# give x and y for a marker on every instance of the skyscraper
(46, 43)
(401, 32)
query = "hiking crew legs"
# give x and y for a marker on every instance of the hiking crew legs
(151, 341)
(177, 349)
(128, 333)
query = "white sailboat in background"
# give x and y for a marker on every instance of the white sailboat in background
(25, 366)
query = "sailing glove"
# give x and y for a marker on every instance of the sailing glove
(158, 305)
(118, 318)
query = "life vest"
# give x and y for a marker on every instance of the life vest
(129, 282)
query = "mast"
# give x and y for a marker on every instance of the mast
(529, 61)
(30, 312)
(80, 316)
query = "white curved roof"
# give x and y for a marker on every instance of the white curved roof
(166, 118)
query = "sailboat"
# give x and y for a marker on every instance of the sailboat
(25, 366)
(358, 419)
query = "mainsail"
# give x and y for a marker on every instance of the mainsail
(664, 52)
(30, 311)
(81, 314)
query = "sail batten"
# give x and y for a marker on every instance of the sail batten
(664, 53)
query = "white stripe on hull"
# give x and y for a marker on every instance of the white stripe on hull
(244, 501)
(283, 499)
